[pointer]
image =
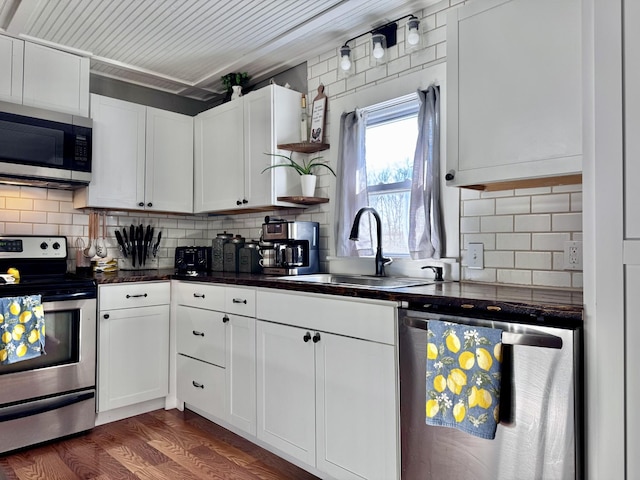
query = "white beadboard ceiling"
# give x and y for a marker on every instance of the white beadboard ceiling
(185, 46)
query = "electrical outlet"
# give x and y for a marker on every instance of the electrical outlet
(573, 255)
(475, 255)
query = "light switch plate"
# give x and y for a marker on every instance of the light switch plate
(475, 255)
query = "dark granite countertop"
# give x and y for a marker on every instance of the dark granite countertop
(522, 304)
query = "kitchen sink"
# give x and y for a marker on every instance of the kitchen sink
(362, 281)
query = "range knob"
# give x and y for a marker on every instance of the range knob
(56, 246)
(44, 246)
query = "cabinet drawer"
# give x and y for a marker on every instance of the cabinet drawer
(201, 385)
(366, 319)
(201, 334)
(134, 294)
(201, 295)
(240, 301)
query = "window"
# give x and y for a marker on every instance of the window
(390, 137)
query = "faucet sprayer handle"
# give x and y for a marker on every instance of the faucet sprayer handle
(437, 271)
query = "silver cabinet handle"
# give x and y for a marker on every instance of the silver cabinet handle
(137, 296)
(543, 340)
(198, 334)
(240, 300)
(197, 385)
(198, 295)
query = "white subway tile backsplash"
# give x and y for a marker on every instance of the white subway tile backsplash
(532, 223)
(513, 241)
(533, 191)
(487, 239)
(33, 217)
(60, 218)
(513, 205)
(576, 202)
(487, 275)
(469, 225)
(19, 204)
(567, 188)
(498, 259)
(18, 228)
(550, 203)
(500, 223)
(549, 241)
(533, 260)
(516, 277)
(472, 208)
(9, 216)
(48, 205)
(567, 222)
(552, 279)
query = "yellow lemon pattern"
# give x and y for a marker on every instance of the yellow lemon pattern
(21, 329)
(463, 377)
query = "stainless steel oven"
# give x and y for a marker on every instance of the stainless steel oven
(52, 395)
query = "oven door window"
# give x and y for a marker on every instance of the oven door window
(62, 342)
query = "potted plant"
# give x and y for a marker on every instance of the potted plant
(234, 82)
(305, 169)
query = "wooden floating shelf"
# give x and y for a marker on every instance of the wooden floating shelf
(304, 147)
(304, 200)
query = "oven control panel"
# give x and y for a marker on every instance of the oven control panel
(33, 246)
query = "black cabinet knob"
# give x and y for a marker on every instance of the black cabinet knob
(451, 174)
(141, 204)
(238, 202)
(149, 204)
(316, 337)
(225, 319)
(105, 316)
(244, 200)
(307, 337)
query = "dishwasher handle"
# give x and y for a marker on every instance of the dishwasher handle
(542, 340)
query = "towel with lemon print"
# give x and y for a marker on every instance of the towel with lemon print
(21, 328)
(463, 377)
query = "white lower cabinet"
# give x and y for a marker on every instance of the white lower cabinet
(133, 344)
(326, 398)
(215, 336)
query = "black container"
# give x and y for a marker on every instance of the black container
(231, 251)
(249, 258)
(217, 261)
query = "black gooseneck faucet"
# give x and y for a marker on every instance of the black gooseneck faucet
(380, 260)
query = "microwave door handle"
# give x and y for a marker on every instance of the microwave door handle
(543, 340)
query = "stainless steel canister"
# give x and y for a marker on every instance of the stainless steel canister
(231, 251)
(249, 261)
(217, 254)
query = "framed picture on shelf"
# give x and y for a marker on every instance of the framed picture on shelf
(318, 116)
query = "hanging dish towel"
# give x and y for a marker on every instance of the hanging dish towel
(21, 328)
(463, 377)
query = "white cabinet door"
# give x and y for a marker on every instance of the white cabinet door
(117, 179)
(514, 106)
(355, 405)
(219, 158)
(55, 80)
(201, 385)
(241, 372)
(11, 58)
(286, 390)
(169, 162)
(133, 355)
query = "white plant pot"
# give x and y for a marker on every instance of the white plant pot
(308, 183)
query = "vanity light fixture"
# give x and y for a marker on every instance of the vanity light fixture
(382, 37)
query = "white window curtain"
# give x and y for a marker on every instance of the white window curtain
(351, 185)
(425, 221)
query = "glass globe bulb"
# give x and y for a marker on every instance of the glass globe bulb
(345, 63)
(378, 51)
(414, 37)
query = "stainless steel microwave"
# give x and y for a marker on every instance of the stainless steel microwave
(44, 148)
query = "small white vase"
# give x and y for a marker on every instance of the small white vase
(308, 183)
(237, 92)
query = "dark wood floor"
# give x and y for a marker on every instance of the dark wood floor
(158, 445)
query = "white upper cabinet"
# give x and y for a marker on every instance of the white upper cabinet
(55, 80)
(11, 57)
(230, 146)
(514, 91)
(142, 158)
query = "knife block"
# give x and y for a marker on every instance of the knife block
(152, 263)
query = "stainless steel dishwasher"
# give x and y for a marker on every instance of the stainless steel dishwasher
(539, 434)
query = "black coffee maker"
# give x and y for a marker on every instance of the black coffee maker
(289, 247)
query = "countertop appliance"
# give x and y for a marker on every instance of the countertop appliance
(44, 148)
(52, 395)
(540, 431)
(294, 245)
(192, 260)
